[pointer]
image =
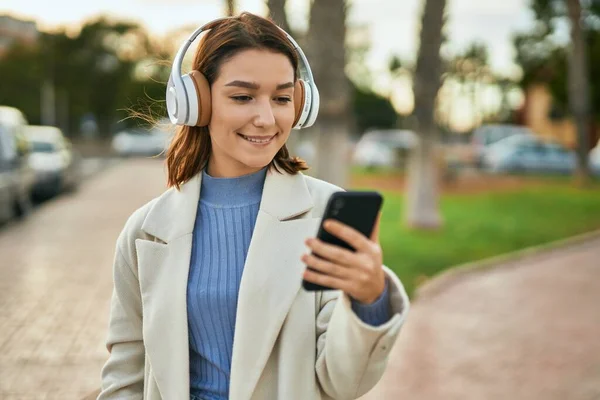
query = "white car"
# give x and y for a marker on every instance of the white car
(52, 158)
(16, 177)
(141, 141)
(373, 154)
(594, 159)
(382, 148)
(489, 134)
(527, 153)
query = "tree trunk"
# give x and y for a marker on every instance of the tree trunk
(422, 204)
(277, 14)
(326, 51)
(578, 82)
(230, 8)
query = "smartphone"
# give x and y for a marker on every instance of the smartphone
(358, 209)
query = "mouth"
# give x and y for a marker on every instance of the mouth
(258, 140)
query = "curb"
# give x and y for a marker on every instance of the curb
(441, 281)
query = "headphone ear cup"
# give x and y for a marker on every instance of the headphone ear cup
(172, 103)
(314, 106)
(299, 100)
(203, 98)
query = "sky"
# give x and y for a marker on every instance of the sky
(392, 25)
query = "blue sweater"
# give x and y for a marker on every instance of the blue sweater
(225, 220)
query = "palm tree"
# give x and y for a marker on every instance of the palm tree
(422, 208)
(277, 14)
(230, 8)
(578, 87)
(325, 45)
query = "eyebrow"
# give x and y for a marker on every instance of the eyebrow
(256, 86)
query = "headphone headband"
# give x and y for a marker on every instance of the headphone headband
(178, 61)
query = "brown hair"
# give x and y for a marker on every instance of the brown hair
(190, 149)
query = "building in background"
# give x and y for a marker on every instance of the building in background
(14, 30)
(537, 112)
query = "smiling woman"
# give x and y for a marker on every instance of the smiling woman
(208, 300)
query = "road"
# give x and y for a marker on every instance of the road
(526, 330)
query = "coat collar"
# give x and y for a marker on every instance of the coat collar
(284, 196)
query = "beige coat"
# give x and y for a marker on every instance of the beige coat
(289, 344)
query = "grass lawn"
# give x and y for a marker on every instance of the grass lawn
(482, 225)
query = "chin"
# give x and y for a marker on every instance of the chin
(256, 162)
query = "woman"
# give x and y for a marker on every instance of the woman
(207, 302)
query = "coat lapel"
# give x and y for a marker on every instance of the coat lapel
(164, 267)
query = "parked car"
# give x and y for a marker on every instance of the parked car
(16, 177)
(142, 141)
(528, 153)
(384, 148)
(487, 135)
(594, 159)
(54, 161)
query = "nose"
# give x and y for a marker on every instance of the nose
(264, 115)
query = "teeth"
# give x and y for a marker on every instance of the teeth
(257, 140)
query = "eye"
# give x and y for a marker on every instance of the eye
(283, 100)
(241, 98)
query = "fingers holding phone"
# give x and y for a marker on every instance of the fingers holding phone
(359, 274)
(346, 254)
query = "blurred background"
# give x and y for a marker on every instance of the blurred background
(478, 121)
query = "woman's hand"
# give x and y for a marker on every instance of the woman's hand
(359, 274)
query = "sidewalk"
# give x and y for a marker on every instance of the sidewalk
(528, 329)
(56, 281)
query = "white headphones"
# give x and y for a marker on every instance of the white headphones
(188, 96)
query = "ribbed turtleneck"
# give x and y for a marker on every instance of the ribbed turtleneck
(225, 221)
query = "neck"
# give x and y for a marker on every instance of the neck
(229, 170)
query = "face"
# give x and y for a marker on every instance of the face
(252, 112)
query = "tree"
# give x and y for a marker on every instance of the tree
(21, 71)
(372, 111)
(230, 7)
(326, 50)
(277, 14)
(422, 209)
(578, 87)
(92, 72)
